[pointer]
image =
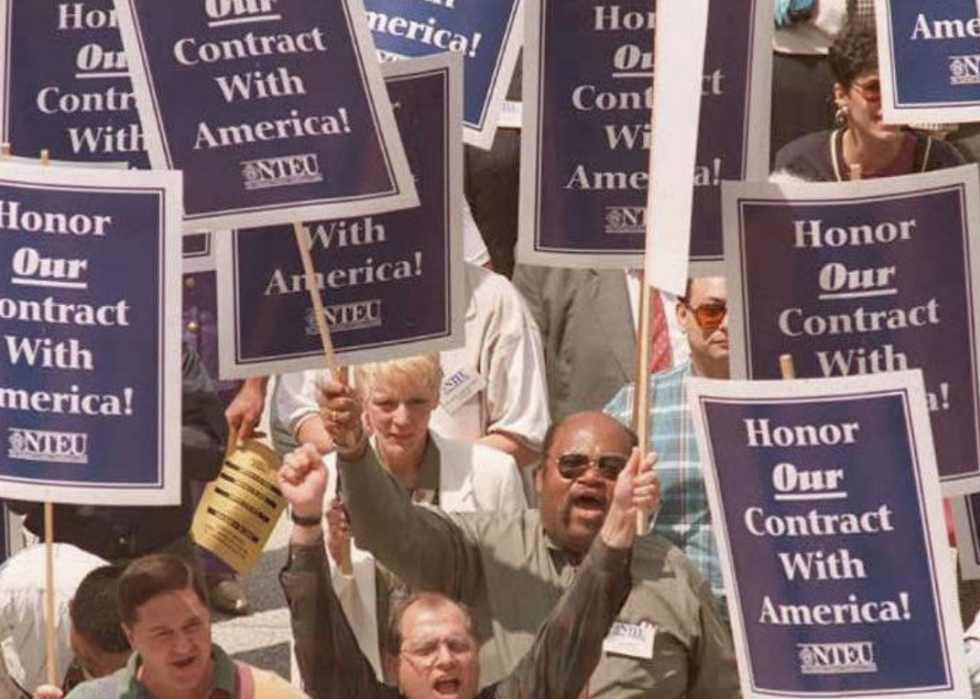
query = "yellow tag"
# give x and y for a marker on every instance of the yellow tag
(240, 508)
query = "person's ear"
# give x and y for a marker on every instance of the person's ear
(129, 635)
(840, 95)
(683, 315)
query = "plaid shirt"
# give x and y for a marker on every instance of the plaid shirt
(861, 10)
(683, 517)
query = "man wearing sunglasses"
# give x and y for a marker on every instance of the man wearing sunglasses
(683, 517)
(511, 569)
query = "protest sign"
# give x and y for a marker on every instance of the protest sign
(240, 508)
(66, 84)
(826, 507)
(487, 35)
(90, 311)
(275, 112)
(929, 60)
(864, 277)
(586, 139)
(677, 94)
(391, 284)
(199, 253)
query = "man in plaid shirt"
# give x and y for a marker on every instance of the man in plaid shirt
(683, 517)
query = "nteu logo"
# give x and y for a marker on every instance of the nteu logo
(281, 172)
(836, 658)
(46, 445)
(626, 219)
(964, 70)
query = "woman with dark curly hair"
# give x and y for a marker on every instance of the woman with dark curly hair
(860, 146)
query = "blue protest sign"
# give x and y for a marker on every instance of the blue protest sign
(587, 134)
(487, 35)
(929, 59)
(391, 284)
(90, 355)
(826, 506)
(66, 84)
(860, 278)
(275, 111)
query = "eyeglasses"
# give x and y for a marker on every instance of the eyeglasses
(572, 466)
(870, 91)
(709, 316)
(426, 653)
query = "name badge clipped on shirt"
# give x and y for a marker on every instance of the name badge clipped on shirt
(633, 640)
(459, 388)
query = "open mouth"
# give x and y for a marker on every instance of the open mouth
(184, 663)
(448, 687)
(589, 502)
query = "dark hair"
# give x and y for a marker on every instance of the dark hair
(428, 600)
(853, 53)
(153, 575)
(93, 610)
(549, 436)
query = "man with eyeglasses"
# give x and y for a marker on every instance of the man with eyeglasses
(683, 517)
(432, 641)
(510, 569)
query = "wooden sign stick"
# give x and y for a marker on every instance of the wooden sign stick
(319, 316)
(787, 369)
(339, 373)
(641, 392)
(51, 648)
(641, 395)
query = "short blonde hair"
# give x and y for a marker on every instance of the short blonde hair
(423, 370)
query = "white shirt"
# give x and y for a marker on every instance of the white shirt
(22, 586)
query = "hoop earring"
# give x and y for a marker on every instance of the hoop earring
(841, 116)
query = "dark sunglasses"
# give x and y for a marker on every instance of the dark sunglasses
(708, 316)
(572, 466)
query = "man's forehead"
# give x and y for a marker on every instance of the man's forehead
(588, 433)
(171, 608)
(708, 289)
(426, 619)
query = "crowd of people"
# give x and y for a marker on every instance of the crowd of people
(463, 523)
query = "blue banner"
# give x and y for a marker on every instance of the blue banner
(391, 285)
(930, 60)
(587, 136)
(274, 111)
(825, 500)
(66, 83)
(486, 34)
(90, 354)
(861, 278)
